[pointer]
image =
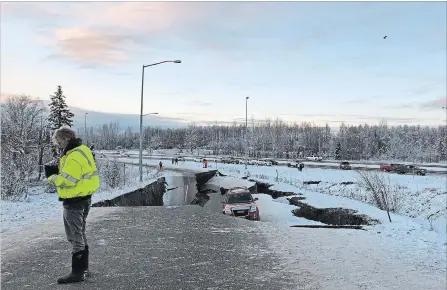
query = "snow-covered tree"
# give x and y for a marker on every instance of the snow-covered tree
(22, 141)
(60, 115)
(282, 140)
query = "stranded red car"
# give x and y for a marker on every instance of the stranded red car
(239, 202)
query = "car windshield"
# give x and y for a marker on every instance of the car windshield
(240, 198)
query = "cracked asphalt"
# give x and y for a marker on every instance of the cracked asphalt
(186, 247)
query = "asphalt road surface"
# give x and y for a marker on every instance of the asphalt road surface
(186, 247)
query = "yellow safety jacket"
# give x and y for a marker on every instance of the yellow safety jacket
(78, 176)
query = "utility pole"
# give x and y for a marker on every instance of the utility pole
(246, 125)
(85, 128)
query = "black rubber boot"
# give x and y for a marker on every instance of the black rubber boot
(85, 261)
(77, 270)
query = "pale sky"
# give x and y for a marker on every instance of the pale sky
(299, 61)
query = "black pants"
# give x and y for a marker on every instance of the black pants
(75, 215)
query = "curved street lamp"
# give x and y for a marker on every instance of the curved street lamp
(141, 111)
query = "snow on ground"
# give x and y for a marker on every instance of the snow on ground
(40, 205)
(408, 234)
(279, 213)
(228, 182)
(421, 196)
(355, 259)
(408, 237)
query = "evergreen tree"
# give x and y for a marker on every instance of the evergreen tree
(338, 151)
(60, 115)
(442, 152)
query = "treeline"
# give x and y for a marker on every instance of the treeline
(26, 128)
(27, 125)
(274, 138)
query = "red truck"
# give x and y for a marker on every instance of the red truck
(389, 167)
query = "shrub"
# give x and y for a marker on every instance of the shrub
(111, 173)
(383, 193)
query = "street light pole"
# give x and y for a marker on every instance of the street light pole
(85, 128)
(141, 112)
(246, 124)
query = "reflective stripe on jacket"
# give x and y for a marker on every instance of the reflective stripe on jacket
(78, 176)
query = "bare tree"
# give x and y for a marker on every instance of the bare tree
(20, 144)
(383, 193)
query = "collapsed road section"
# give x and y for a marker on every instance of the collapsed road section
(174, 190)
(331, 217)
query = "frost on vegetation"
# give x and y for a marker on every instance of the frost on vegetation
(112, 174)
(23, 143)
(381, 191)
(13, 186)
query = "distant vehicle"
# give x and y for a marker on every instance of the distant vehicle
(389, 167)
(314, 158)
(345, 165)
(239, 202)
(272, 161)
(230, 160)
(198, 159)
(264, 163)
(292, 164)
(181, 159)
(410, 169)
(252, 162)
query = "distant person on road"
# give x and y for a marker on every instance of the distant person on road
(76, 179)
(172, 161)
(205, 163)
(300, 167)
(176, 161)
(161, 166)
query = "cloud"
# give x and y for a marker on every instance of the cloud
(107, 34)
(102, 34)
(97, 47)
(433, 105)
(37, 10)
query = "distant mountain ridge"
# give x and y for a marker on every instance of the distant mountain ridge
(95, 119)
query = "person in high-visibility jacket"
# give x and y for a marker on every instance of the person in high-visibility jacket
(77, 179)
